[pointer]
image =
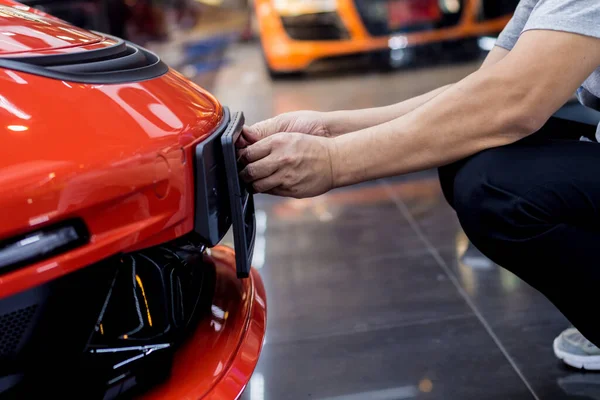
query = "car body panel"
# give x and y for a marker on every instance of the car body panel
(118, 157)
(33, 33)
(286, 55)
(27, 31)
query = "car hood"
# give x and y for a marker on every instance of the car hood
(67, 146)
(24, 30)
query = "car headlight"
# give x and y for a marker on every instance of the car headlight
(299, 7)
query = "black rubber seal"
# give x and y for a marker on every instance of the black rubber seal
(132, 58)
(120, 46)
(121, 63)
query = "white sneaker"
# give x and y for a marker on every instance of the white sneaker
(575, 350)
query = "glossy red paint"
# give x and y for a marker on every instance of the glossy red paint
(217, 362)
(117, 156)
(24, 31)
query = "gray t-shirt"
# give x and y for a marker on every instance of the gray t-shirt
(575, 16)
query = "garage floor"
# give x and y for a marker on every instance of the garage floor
(373, 291)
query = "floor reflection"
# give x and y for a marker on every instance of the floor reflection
(583, 386)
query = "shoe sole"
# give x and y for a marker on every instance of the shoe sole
(588, 363)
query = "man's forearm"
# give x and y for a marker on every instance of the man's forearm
(480, 112)
(495, 106)
(342, 122)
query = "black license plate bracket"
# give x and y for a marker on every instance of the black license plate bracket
(241, 200)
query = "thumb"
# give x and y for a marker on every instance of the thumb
(254, 133)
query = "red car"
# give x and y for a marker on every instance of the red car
(118, 181)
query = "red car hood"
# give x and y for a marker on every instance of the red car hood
(25, 30)
(69, 149)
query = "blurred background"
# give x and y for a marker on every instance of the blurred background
(374, 291)
(273, 42)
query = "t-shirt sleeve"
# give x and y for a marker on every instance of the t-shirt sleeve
(509, 36)
(574, 16)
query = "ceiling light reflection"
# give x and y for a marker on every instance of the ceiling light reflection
(260, 242)
(257, 386)
(14, 110)
(17, 128)
(398, 393)
(16, 78)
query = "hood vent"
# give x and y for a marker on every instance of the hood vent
(119, 63)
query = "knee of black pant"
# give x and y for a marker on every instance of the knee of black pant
(493, 210)
(446, 176)
(470, 198)
(463, 187)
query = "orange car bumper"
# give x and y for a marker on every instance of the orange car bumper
(218, 360)
(286, 55)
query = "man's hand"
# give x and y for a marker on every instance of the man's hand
(307, 122)
(289, 164)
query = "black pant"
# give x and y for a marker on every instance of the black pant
(533, 207)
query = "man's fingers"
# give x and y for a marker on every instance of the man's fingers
(268, 184)
(242, 142)
(258, 170)
(249, 136)
(256, 151)
(257, 132)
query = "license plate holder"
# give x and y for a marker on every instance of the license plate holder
(241, 200)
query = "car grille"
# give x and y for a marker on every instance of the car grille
(13, 326)
(110, 327)
(319, 26)
(374, 16)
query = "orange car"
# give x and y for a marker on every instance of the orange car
(296, 33)
(119, 179)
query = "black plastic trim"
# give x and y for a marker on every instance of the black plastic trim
(70, 58)
(222, 200)
(315, 27)
(212, 216)
(97, 65)
(134, 57)
(241, 200)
